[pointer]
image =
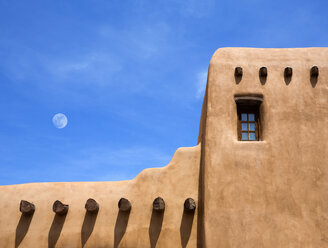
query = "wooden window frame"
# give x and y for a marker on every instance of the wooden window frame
(248, 105)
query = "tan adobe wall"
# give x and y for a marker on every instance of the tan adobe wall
(271, 193)
(141, 228)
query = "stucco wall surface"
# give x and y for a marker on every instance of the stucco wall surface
(274, 192)
(109, 228)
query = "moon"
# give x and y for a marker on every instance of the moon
(59, 120)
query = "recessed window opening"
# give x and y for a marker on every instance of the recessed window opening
(248, 111)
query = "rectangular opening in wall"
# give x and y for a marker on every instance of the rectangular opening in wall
(248, 111)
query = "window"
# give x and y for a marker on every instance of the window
(248, 111)
(248, 125)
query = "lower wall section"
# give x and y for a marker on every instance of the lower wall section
(141, 227)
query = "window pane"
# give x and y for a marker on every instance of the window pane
(244, 126)
(244, 117)
(244, 136)
(251, 126)
(251, 136)
(251, 117)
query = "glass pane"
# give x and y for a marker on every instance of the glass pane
(251, 117)
(251, 136)
(244, 136)
(251, 126)
(244, 126)
(244, 117)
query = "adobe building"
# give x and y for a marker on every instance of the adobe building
(258, 176)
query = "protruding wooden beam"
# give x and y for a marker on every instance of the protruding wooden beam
(26, 207)
(190, 205)
(124, 205)
(59, 208)
(159, 204)
(314, 73)
(288, 72)
(91, 206)
(263, 72)
(238, 71)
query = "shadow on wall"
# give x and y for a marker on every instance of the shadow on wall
(186, 226)
(55, 230)
(155, 227)
(120, 226)
(22, 228)
(263, 80)
(88, 226)
(287, 80)
(122, 220)
(314, 81)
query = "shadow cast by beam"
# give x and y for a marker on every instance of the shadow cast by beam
(314, 81)
(88, 226)
(55, 230)
(238, 79)
(185, 227)
(155, 227)
(22, 228)
(120, 226)
(263, 80)
(287, 80)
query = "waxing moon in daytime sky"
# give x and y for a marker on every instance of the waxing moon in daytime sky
(59, 120)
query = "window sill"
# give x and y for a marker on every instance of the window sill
(250, 142)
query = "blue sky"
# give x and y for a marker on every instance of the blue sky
(129, 75)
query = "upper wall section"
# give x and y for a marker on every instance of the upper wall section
(301, 60)
(222, 79)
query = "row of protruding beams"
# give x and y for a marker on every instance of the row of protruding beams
(93, 207)
(288, 72)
